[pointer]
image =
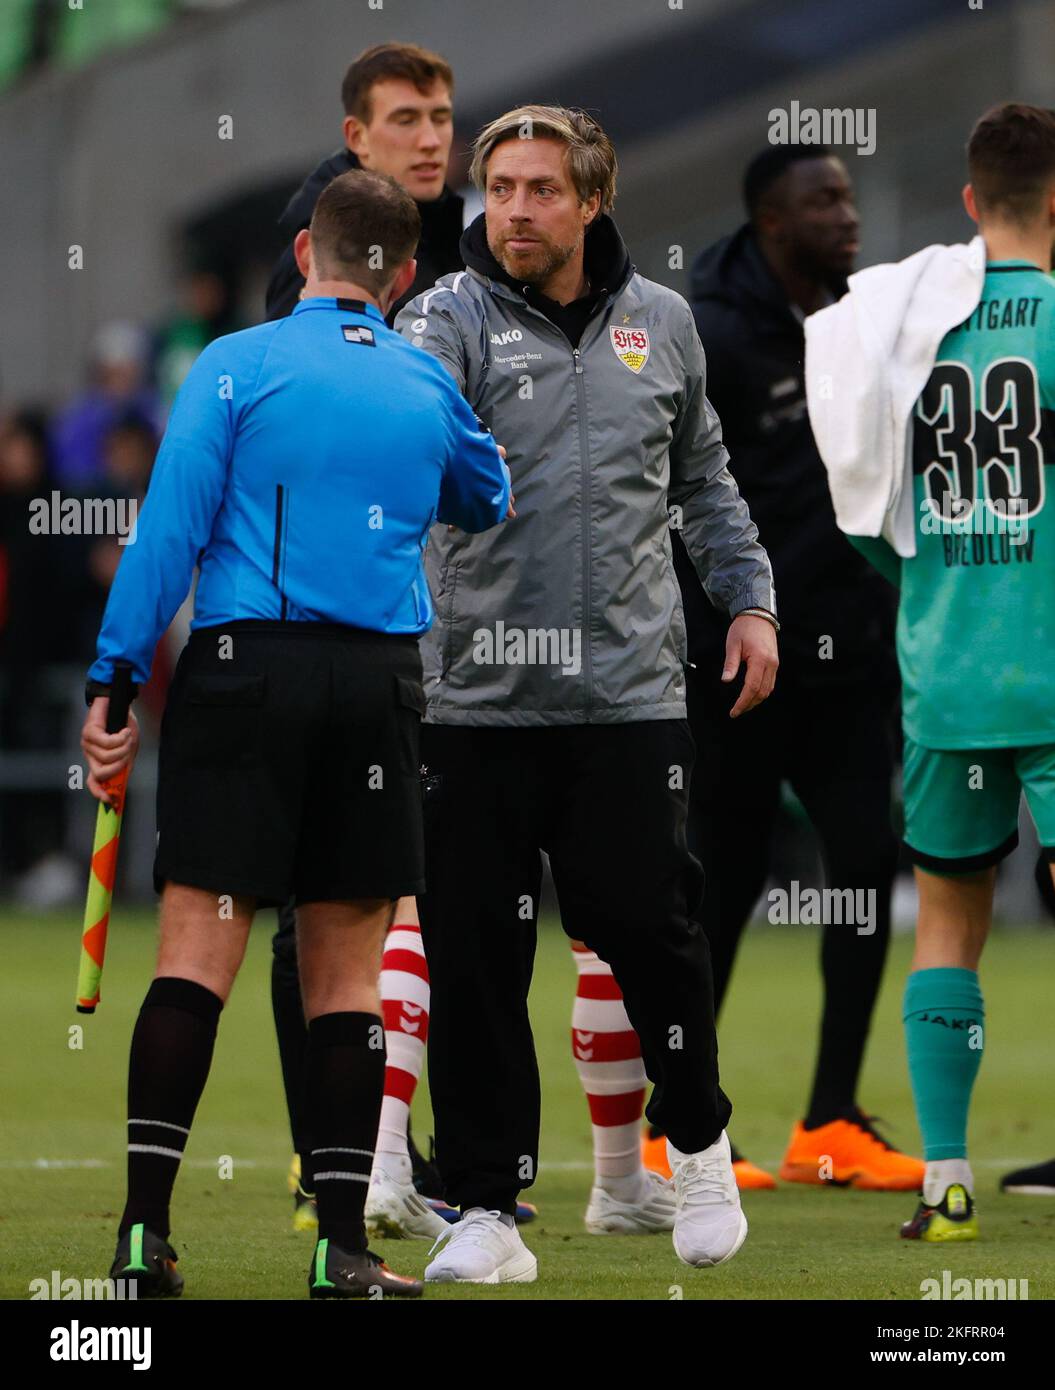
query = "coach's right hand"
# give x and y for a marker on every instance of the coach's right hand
(752, 643)
(107, 754)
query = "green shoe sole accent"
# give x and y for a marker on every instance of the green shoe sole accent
(320, 1281)
(135, 1256)
(941, 1229)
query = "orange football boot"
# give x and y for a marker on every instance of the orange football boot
(748, 1175)
(849, 1152)
(654, 1152)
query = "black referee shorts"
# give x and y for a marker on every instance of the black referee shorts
(289, 764)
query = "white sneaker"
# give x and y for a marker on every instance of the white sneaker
(709, 1226)
(395, 1209)
(482, 1249)
(652, 1210)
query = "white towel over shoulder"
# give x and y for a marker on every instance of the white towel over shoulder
(867, 360)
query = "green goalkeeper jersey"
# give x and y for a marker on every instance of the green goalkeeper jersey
(976, 623)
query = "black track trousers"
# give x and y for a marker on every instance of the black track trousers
(608, 803)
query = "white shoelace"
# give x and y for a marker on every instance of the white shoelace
(707, 1182)
(464, 1231)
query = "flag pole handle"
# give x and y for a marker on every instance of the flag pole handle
(120, 698)
(104, 854)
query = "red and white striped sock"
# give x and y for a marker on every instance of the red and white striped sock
(608, 1059)
(405, 1007)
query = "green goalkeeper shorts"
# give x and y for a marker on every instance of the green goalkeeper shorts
(961, 805)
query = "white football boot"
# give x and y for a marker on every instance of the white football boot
(651, 1209)
(395, 1209)
(482, 1249)
(710, 1225)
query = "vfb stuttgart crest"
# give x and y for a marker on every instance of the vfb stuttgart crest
(630, 345)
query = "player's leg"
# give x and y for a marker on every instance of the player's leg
(405, 1004)
(842, 769)
(478, 918)
(733, 805)
(292, 1035)
(202, 944)
(961, 818)
(1036, 770)
(944, 1021)
(394, 1208)
(339, 948)
(360, 849)
(623, 799)
(626, 1198)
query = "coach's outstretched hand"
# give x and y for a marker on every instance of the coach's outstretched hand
(752, 642)
(107, 754)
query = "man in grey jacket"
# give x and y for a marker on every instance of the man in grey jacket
(555, 680)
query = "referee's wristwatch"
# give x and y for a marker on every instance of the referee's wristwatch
(759, 613)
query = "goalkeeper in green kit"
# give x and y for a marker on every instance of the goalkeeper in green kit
(932, 393)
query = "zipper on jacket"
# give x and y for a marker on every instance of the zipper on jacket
(281, 516)
(584, 454)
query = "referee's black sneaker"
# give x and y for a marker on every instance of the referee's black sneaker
(1038, 1181)
(148, 1262)
(337, 1273)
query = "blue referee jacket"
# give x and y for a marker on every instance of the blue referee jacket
(303, 465)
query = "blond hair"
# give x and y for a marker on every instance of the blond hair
(590, 156)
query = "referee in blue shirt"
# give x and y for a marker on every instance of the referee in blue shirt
(304, 463)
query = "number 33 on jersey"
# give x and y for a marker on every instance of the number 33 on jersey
(976, 628)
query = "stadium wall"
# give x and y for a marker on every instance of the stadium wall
(120, 156)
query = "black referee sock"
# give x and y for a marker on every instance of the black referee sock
(345, 1080)
(171, 1052)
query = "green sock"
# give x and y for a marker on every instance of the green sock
(943, 1014)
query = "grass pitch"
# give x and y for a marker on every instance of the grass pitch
(61, 1144)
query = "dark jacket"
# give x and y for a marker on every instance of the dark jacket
(755, 348)
(437, 254)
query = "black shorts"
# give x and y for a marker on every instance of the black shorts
(289, 764)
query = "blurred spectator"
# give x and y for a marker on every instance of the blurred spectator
(36, 632)
(206, 314)
(117, 369)
(35, 622)
(129, 449)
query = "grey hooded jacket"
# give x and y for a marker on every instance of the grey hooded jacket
(570, 612)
